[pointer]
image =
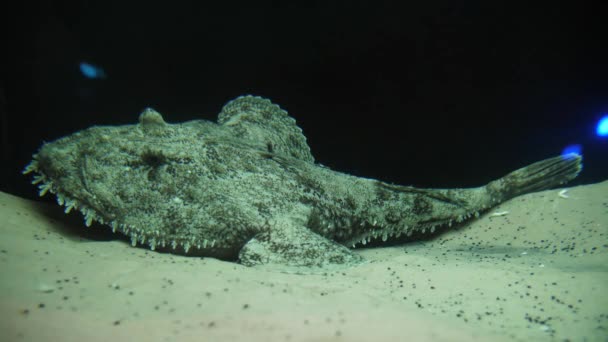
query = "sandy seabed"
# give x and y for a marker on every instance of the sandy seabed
(538, 272)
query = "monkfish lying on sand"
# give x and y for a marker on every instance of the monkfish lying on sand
(247, 188)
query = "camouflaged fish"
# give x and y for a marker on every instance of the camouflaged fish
(247, 188)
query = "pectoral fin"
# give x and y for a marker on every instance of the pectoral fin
(292, 245)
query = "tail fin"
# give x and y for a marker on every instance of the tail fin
(539, 176)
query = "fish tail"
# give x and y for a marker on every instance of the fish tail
(539, 176)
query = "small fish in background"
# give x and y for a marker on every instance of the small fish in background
(92, 71)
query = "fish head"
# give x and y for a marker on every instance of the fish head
(135, 175)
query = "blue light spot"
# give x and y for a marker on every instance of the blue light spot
(573, 148)
(602, 127)
(91, 71)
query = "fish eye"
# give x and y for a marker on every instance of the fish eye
(153, 158)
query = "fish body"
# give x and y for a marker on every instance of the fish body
(247, 188)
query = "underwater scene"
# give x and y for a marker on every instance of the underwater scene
(281, 171)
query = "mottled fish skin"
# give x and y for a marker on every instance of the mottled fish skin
(247, 188)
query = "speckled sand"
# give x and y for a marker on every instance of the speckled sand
(536, 273)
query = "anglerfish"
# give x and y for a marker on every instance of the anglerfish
(247, 188)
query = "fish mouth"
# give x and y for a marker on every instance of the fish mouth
(65, 172)
(46, 184)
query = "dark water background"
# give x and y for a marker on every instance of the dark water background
(433, 94)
